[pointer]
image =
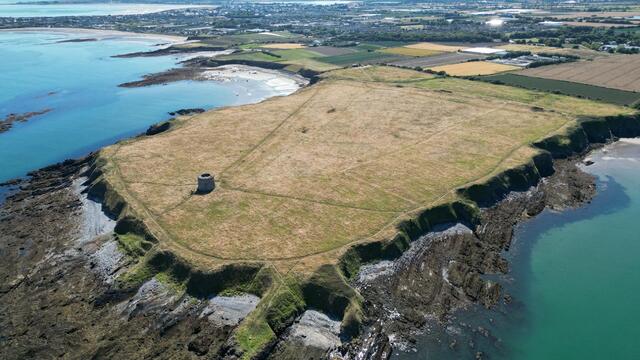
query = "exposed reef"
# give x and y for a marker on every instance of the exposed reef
(9, 120)
(185, 112)
(172, 75)
(171, 50)
(77, 40)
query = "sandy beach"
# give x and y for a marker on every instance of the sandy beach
(100, 34)
(279, 81)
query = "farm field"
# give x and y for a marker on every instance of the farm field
(253, 38)
(620, 72)
(283, 46)
(301, 177)
(361, 57)
(613, 96)
(597, 24)
(303, 57)
(437, 60)
(407, 51)
(474, 68)
(251, 56)
(587, 14)
(311, 64)
(333, 51)
(581, 52)
(374, 73)
(435, 47)
(295, 54)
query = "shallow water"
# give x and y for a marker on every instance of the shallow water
(78, 81)
(20, 8)
(575, 280)
(580, 282)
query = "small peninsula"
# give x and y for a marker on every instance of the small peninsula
(311, 186)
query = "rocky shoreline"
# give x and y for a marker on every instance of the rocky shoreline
(57, 292)
(73, 306)
(172, 51)
(401, 300)
(70, 281)
(7, 123)
(279, 80)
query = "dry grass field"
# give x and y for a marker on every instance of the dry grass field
(474, 68)
(587, 14)
(620, 72)
(408, 51)
(446, 58)
(283, 46)
(434, 47)
(581, 51)
(596, 24)
(375, 73)
(302, 177)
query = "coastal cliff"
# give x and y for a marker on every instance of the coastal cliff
(465, 255)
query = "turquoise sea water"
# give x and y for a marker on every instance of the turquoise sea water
(19, 8)
(78, 81)
(574, 279)
(577, 273)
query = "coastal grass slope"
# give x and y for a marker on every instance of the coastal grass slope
(310, 186)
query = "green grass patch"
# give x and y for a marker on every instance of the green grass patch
(296, 54)
(368, 47)
(249, 46)
(133, 245)
(137, 275)
(281, 303)
(310, 63)
(253, 335)
(168, 279)
(362, 57)
(388, 43)
(251, 56)
(614, 96)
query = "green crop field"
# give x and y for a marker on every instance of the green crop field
(296, 54)
(252, 56)
(363, 57)
(614, 96)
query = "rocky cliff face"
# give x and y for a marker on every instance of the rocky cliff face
(60, 261)
(59, 295)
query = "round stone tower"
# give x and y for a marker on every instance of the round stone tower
(206, 183)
